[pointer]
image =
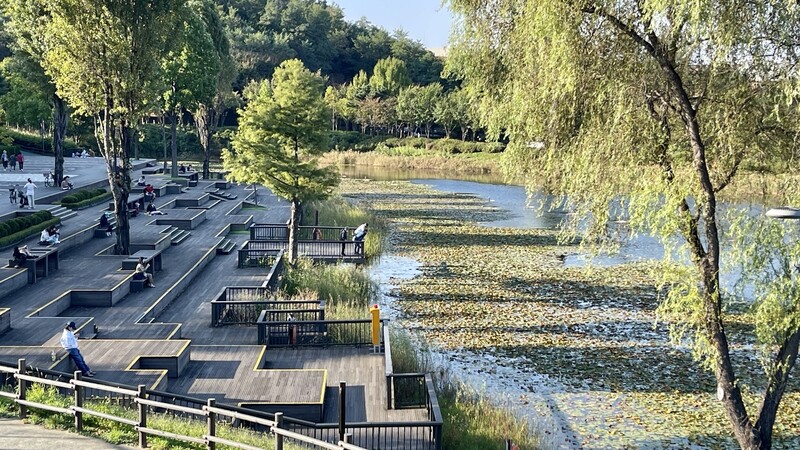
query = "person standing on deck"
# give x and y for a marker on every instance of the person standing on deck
(358, 238)
(69, 341)
(29, 189)
(343, 237)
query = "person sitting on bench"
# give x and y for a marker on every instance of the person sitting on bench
(141, 181)
(48, 239)
(141, 273)
(66, 183)
(182, 169)
(21, 254)
(104, 223)
(149, 193)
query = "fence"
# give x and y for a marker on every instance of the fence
(250, 313)
(255, 253)
(315, 333)
(254, 256)
(143, 401)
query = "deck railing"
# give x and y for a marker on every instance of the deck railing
(253, 251)
(251, 313)
(148, 402)
(252, 256)
(315, 333)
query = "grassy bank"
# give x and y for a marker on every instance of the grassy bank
(338, 212)
(413, 158)
(346, 289)
(119, 434)
(578, 346)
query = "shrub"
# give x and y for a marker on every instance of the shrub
(18, 224)
(79, 196)
(19, 236)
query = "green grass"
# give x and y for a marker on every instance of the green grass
(347, 290)
(120, 434)
(415, 158)
(338, 212)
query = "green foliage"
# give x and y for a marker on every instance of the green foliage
(352, 140)
(25, 104)
(21, 223)
(22, 140)
(84, 198)
(28, 229)
(338, 212)
(449, 146)
(346, 289)
(416, 105)
(281, 132)
(388, 77)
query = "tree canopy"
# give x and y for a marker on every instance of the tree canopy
(282, 130)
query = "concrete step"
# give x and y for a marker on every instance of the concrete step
(225, 247)
(61, 212)
(182, 236)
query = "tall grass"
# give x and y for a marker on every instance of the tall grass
(338, 212)
(119, 434)
(347, 290)
(471, 419)
(415, 158)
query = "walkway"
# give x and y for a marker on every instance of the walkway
(16, 435)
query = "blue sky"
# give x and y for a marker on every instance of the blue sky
(424, 20)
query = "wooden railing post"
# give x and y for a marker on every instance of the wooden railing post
(278, 437)
(78, 393)
(142, 416)
(211, 428)
(342, 409)
(22, 387)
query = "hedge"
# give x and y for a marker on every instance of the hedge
(89, 201)
(18, 229)
(17, 224)
(80, 196)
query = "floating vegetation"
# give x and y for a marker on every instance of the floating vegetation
(579, 346)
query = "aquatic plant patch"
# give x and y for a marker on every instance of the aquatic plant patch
(579, 346)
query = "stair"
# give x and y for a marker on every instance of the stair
(226, 247)
(61, 212)
(222, 195)
(180, 237)
(207, 206)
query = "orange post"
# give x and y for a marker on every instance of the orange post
(375, 312)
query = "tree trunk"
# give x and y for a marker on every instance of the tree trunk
(294, 223)
(173, 133)
(205, 119)
(164, 140)
(60, 120)
(122, 191)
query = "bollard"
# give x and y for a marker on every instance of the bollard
(211, 425)
(342, 404)
(78, 402)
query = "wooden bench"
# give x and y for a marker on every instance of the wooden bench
(137, 285)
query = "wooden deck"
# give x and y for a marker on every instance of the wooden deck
(163, 338)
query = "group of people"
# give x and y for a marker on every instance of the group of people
(359, 234)
(50, 236)
(24, 196)
(12, 160)
(184, 169)
(81, 154)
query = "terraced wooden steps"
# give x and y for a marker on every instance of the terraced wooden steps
(226, 247)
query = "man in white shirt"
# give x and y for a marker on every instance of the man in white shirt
(69, 341)
(29, 188)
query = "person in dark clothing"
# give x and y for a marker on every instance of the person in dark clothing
(104, 223)
(343, 238)
(21, 254)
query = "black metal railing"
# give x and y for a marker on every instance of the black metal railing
(250, 313)
(251, 256)
(409, 390)
(269, 232)
(253, 251)
(320, 333)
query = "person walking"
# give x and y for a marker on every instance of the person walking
(69, 340)
(29, 193)
(5, 160)
(20, 160)
(13, 161)
(343, 238)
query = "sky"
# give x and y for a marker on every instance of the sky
(426, 21)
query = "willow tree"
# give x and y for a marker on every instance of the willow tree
(104, 57)
(281, 131)
(662, 102)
